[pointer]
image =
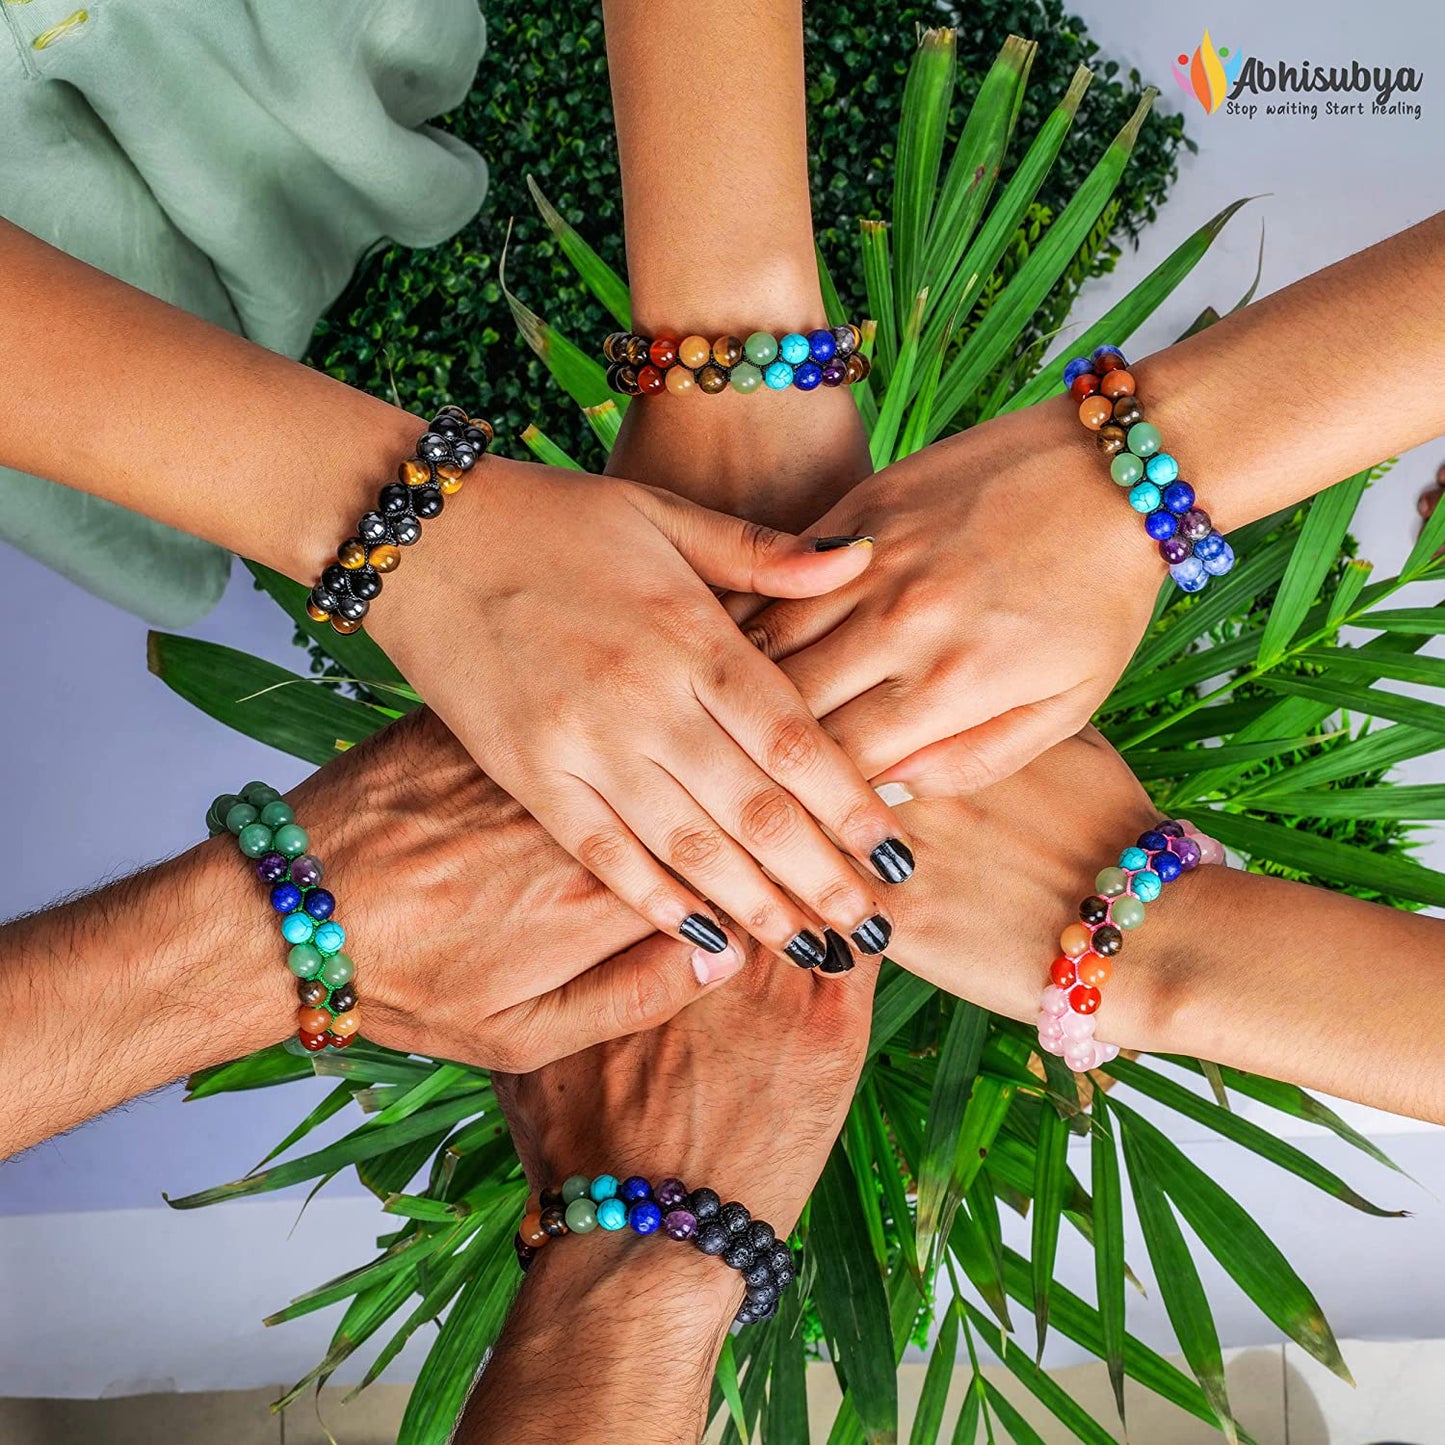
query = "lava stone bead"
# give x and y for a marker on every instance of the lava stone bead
(739, 1255)
(353, 609)
(394, 500)
(1094, 909)
(746, 1315)
(1107, 941)
(713, 1238)
(427, 502)
(758, 1273)
(761, 1236)
(365, 582)
(406, 530)
(764, 1294)
(554, 1223)
(735, 1216)
(784, 1274)
(704, 1203)
(781, 1256)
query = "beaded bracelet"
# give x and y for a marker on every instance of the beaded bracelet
(643, 366)
(266, 831)
(452, 445)
(750, 1246)
(1071, 998)
(1104, 388)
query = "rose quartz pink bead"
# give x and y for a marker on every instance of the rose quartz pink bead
(1078, 1026)
(1054, 1001)
(1209, 850)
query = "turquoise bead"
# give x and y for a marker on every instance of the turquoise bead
(277, 814)
(612, 1215)
(746, 378)
(305, 960)
(298, 927)
(604, 1186)
(291, 840)
(574, 1187)
(794, 349)
(1147, 886)
(1133, 859)
(581, 1216)
(761, 348)
(1127, 912)
(259, 794)
(255, 839)
(1126, 469)
(336, 971)
(779, 376)
(1144, 439)
(238, 816)
(1144, 497)
(329, 936)
(1161, 469)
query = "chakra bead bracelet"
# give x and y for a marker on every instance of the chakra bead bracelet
(452, 446)
(748, 1245)
(646, 366)
(267, 833)
(1072, 996)
(1188, 542)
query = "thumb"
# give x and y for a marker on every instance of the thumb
(746, 557)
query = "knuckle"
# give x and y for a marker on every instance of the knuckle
(969, 770)
(769, 816)
(604, 850)
(644, 998)
(693, 847)
(763, 541)
(846, 899)
(791, 745)
(760, 637)
(858, 824)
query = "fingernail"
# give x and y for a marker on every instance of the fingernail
(836, 544)
(894, 793)
(893, 859)
(840, 957)
(872, 936)
(807, 950)
(713, 967)
(699, 929)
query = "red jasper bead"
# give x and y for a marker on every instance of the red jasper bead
(649, 381)
(1064, 972)
(1082, 386)
(1084, 1000)
(338, 1042)
(312, 1043)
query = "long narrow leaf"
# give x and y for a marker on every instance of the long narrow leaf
(927, 97)
(1108, 1243)
(600, 279)
(952, 1084)
(1051, 1176)
(929, 1419)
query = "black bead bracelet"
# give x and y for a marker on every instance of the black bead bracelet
(452, 446)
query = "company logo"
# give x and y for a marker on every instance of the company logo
(1209, 73)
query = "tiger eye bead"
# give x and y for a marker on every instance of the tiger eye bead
(311, 991)
(313, 1020)
(694, 351)
(449, 479)
(414, 473)
(680, 381)
(1115, 384)
(1127, 411)
(627, 382)
(344, 998)
(663, 352)
(612, 346)
(346, 625)
(315, 613)
(727, 351)
(858, 367)
(553, 1222)
(1094, 909)
(385, 558)
(352, 554)
(712, 379)
(1094, 411)
(481, 424)
(635, 350)
(1111, 439)
(1107, 941)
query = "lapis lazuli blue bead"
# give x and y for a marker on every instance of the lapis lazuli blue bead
(1152, 840)
(1079, 366)
(604, 1187)
(1133, 859)
(1166, 865)
(793, 348)
(1179, 497)
(822, 346)
(285, 897)
(1161, 469)
(1189, 575)
(1218, 565)
(1146, 886)
(779, 376)
(635, 1188)
(1144, 496)
(320, 904)
(297, 928)
(1211, 546)
(1100, 352)
(645, 1217)
(1161, 525)
(612, 1215)
(807, 376)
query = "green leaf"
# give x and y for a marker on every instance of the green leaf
(890, 414)
(972, 1242)
(328, 1108)
(546, 450)
(1422, 558)
(1250, 1258)
(1386, 802)
(1376, 662)
(895, 1002)
(599, 278)
(606, 420)
(727, 1378)
(268, 1066)
(927, 97)
(582, 378)
(1184, 1298)
(1414, 621)
(1147, 764)
(878, 285)
(785, 1416)
(958, 1062)
(1379, 749)
(965, 1429)
(1108, 1243)
(257, 698)
(929, 1420)
(1372, 701)
(852, 1305)
(1051, 1175)
(894, 1195)
(1019, 1429)
(858, 1147)
(1353, 576)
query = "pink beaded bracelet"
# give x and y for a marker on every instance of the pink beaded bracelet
(1071, 998)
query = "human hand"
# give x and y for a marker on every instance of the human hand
(991, 623)
(560, 629)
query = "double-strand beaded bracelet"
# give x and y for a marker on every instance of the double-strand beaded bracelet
(266, 831)
(1188, 542)
(1071, 998)
(748, 1245)
(452, 446)
(646, 366)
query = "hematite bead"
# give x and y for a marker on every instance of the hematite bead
(372, 527)
(366, 583)
(551, 1199)
(447, 426)
(680, 1223)
(735, 1216)
(704, 1203)
(427, 502)
(670, 1193)
(336, 580)
(321, 600)
(344, 998)
(432, 448)
(761, 1236)
(1094, 909)
(271, 867)
(406, 530)
(739, 1255)
(465, 456)
(554, 1223)
(311, 991)
(713, 1238)
(1107, 941)
(635, 1188)
(712, 379)
(479, 435)
(285, 897)
(394, 500)
(306, 871)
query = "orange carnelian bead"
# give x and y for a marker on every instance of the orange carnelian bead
(1116, 384)
(387, 558)
(649, 381)
(414, 473)
(1084, 1000)
(1074, 940)
(1094, 971)
(352, 554)
(531, 1230)
(680, 380)
(344, 1025)
(663, 352)
(694, 351)
(727, 351)
(1064, 972)
(1094, 411)
(1084, 385)
(313, 1020)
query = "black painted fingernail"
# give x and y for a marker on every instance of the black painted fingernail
(807, 950)
(893, 859)
(701, 930)
(836, 544)
(840, 957)
(872, 936)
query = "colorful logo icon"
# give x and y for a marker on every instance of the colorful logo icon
(1209, 73)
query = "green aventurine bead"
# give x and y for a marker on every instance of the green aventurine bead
(1127, 912)
(1144, 439)
(1126, 469)
(259, 794)
(291, 840)
(306, 960)
(216, 813)
(1111, 882)
(277, 814)
(336, 970)
(238, 816)
(255, 839)
(575, 1187)
(581, 1216)
(746, 377)
(761, 348)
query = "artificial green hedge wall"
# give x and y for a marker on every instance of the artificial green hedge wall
(425, 327)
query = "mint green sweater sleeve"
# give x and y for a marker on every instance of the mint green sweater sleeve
(237, 160)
